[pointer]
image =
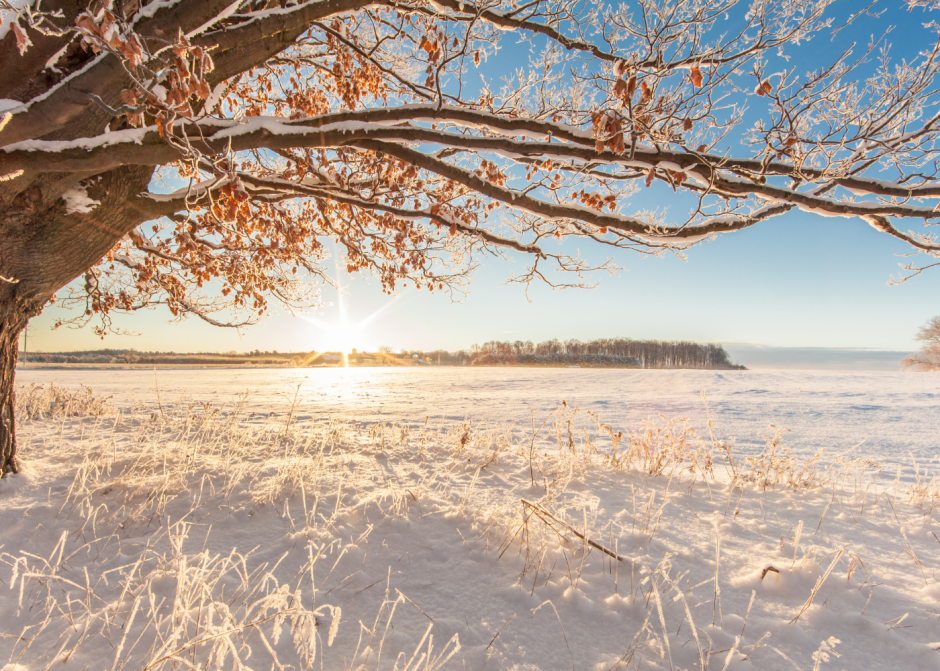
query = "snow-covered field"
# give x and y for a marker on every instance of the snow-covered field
(889, 416)
(377, 518)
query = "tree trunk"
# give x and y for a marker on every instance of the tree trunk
(44, 246)
(12, 322)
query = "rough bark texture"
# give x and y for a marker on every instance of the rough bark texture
(11, 323)
(44, 246)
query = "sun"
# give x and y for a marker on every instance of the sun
(339, 336)
(342, 337)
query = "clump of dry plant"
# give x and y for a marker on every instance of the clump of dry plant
(660, 446)
(172, 609)
(39, 401)
(775, 465)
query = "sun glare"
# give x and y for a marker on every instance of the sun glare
(342, 336)
(339, 336)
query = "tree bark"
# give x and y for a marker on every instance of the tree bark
(12, 322)
(44, 246)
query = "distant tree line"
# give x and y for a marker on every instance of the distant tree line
(555, 360)
(125, 356)
(384, 356)
(609, 352)
(615, 351)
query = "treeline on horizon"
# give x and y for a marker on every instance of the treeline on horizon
(133, 356)
(646, 353)
(606, 352)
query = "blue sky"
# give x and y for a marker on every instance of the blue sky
(796, 282)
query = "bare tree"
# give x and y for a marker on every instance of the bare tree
(200, 154)
(929, 357)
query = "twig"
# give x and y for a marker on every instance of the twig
(414, 604)
(819, 584)
(716, 604)
(542, 514)
(487, 658)
(910, 551)
(157, 387)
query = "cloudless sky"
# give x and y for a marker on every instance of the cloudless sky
(797, 281)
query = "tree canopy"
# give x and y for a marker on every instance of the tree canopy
(201, 154)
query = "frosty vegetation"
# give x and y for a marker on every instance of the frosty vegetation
(185, 534)
(928, 359)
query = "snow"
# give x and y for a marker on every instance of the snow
(128, 135)
(150, 9)
(158, 530)
(822, 409)
(221, 16)
(673, 239)
(54, 58)
(77, 201)
(67, 80)
(126, 260)
(885, 184)
(669, 165)
(215, 97)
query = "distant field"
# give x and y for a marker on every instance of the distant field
(885, 415)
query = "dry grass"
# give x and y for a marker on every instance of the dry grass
(177, 605)
(155, 475)
(172, 610)
(38, 401)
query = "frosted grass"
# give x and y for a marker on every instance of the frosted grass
(196, 535)
(890, 417)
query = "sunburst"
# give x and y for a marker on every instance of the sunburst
(343, 335)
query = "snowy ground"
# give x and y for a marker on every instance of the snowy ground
(887, 416)
(191, 531)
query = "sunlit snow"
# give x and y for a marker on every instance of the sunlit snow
(461, 518)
